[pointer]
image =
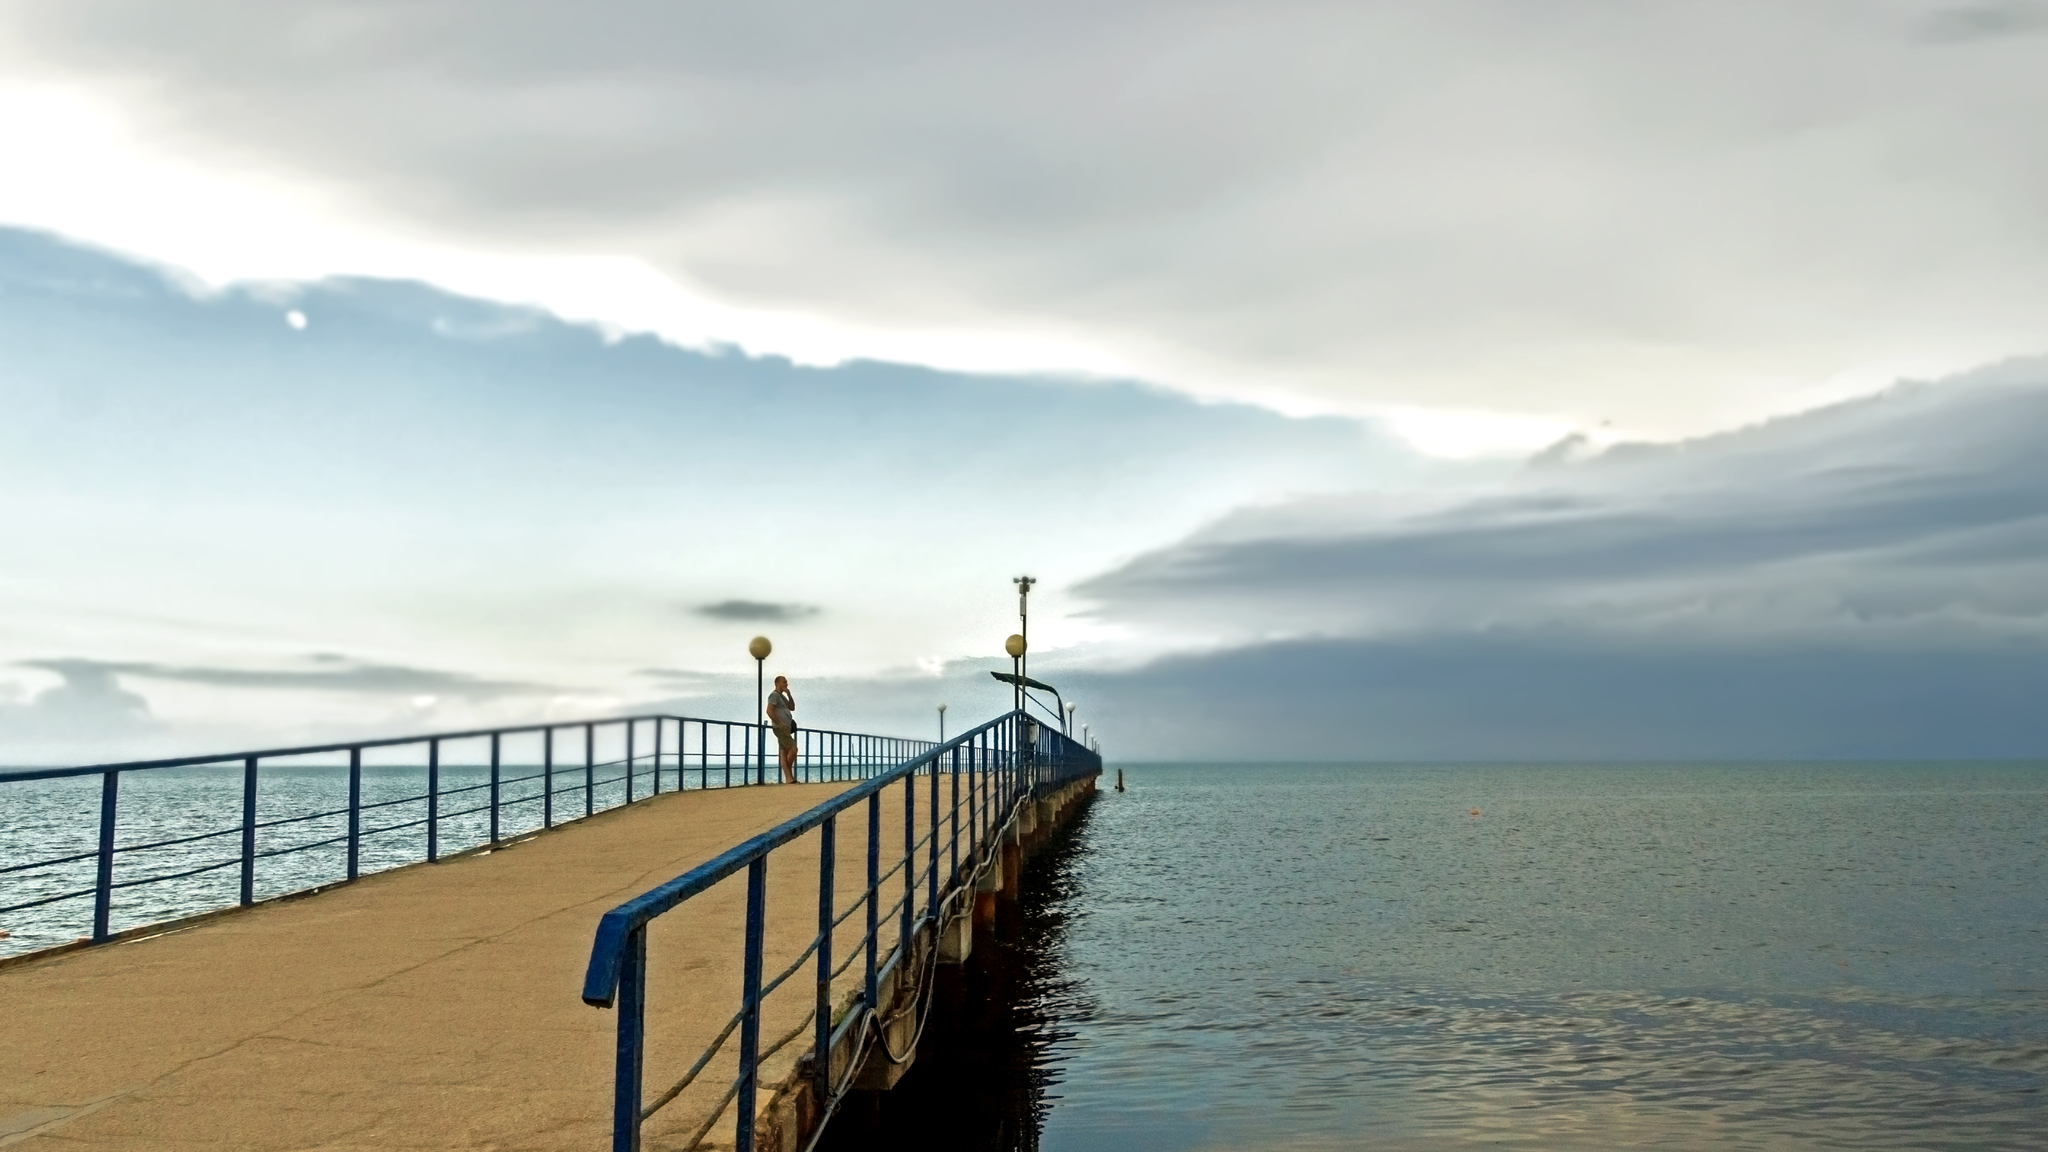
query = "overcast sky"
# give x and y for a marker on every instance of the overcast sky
(394, 365)
(1672, 216)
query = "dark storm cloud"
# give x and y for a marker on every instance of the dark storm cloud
(1866, 580)
(328, 677)
(1541, 698)
(1478, 202)
(760, 610)
(1923, 511)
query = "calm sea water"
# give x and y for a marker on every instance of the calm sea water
(1251, 957)
(1768, 957)
(45, 820)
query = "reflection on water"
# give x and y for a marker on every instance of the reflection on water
(1683, 957)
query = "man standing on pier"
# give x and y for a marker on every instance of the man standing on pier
(782, 717)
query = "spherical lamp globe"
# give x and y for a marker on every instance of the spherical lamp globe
(1014, 646)
(759, 647)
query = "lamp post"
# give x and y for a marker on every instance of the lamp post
(1069, 729)
(1015, 647)
(942, 723)
(759, 648)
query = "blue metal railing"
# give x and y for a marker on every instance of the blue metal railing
(689, 752)
(987, 772)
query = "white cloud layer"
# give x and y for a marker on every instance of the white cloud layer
(1670, 215)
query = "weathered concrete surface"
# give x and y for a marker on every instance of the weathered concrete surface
(431, 1007)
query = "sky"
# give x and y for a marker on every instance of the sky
(1436, 381)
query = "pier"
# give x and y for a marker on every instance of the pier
(437, 1005)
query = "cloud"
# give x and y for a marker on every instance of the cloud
(1986, 21)
(1466, 204)
(761, 610)
(1545, 698)
(88, 704)
(1865, 580)
(470, 500)
(1918, 515)
(327, 677)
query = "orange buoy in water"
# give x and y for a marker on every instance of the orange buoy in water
(1475, 811)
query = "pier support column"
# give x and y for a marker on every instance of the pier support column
(1013, 873)
(956, 942)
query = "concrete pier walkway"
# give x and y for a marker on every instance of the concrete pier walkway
(435, 1006)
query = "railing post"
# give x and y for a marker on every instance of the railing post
(589, 769)
(821, 1058)
(954, 814)
(547, 778)
(494, 787)
(750, 1003)
(355, 812)
(629, 760)
(874, 894)
(931, 896)
(103, 888)
(248, 831)
(728, 753)
(761, 753)
(433, 800)
(909, 861)
(626, 1075)
(657, 758)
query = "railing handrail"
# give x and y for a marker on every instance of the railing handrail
(1010, 760)
(601, 979)
(823, 754)
(386, 742)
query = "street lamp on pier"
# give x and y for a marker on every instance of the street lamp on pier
(759, 648)
(1015, 647)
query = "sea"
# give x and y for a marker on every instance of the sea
(178, 834)
(1541, 957)
(1248, 957)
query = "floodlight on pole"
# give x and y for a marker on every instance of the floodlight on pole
(1023, 584)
